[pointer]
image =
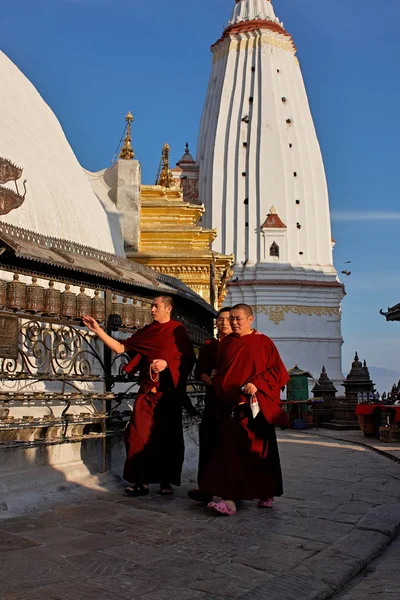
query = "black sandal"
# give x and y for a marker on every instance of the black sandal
(166, 490)
(137, 490)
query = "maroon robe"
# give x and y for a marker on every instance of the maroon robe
(154, 437)
(208, 430)
(245, 464)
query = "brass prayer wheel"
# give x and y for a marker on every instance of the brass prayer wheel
(34, 297)
(116, 307)
(147, 318)
(68, 303)
(98, 308)
(83, 304)
(16, 294)
(127, 313)
(3, 293)
(137, 312)
(52, 300)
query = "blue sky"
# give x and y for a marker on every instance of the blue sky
(93, 60)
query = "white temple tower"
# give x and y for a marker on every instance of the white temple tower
(262, 180)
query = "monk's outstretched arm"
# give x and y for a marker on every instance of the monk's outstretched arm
(109, 341)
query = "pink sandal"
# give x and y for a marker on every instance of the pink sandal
(222, 508)
(268, 503)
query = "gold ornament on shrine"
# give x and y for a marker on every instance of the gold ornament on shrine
(127, 152)
(164, 177)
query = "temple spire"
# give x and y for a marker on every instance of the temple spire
(127, 152)
(249, 10)
(164, 176)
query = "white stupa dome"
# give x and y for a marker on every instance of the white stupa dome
(59, 201)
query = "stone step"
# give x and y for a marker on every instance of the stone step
(340, 425)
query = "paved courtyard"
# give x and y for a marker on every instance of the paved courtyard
(340, 510)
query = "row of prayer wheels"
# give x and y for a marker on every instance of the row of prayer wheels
(34, 298)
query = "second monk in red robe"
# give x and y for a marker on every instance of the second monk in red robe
(245, 464)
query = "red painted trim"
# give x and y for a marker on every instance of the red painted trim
(248, 26)
(273, 221)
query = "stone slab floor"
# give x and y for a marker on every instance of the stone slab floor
(340, 511)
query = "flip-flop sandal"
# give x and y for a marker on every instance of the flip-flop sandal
(268, 503)
(222, 508)
(137, 490)
(166, 490)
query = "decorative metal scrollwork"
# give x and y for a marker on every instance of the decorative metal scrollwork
(54, 352)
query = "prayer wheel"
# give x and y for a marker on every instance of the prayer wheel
(116, 307)
(127, 313)
(68, 303)
(34, 297)
(297, 386)
(52, 300)
(98, 309)
(146, 313)
(16, 294)
(3, 293)
(83, 304)
(141, 314)
(137, 311)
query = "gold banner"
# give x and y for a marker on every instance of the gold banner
(276, 314)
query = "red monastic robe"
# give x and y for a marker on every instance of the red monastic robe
(245, 464)
(208, 430)
(154, 436)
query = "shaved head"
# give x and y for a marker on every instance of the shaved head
(161, 308)
(248, 311)
(167, 300)
(224, 310)
(224, 322)
(241, 318)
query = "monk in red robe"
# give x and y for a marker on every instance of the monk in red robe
(164, 356)
(205, 369)
(250, 374)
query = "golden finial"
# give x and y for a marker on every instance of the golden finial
(127, 152)
(164, 174)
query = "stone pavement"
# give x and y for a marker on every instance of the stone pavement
(380, 580)
(392, 449)
(340, 511)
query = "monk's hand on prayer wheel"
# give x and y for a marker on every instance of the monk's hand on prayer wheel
(91, 323)
(249, 389)
(159, 365)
